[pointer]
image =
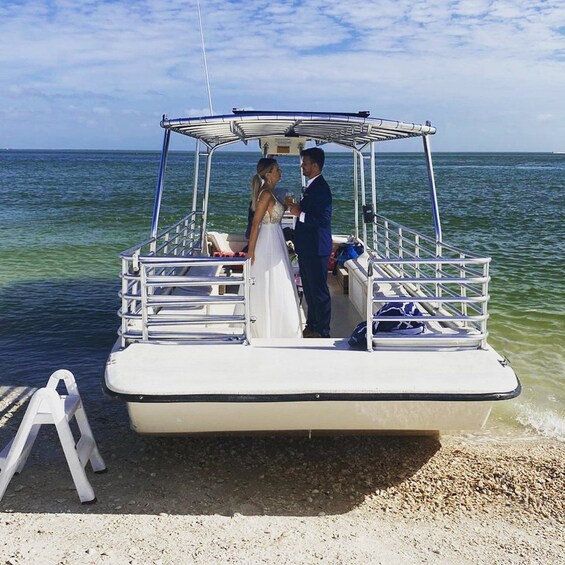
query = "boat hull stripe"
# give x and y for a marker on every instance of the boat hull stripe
(317, 397)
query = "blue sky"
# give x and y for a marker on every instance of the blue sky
(86, 74)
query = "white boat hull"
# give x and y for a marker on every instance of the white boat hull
(305, 385)
(375, 416)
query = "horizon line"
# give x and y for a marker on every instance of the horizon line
(345, 151)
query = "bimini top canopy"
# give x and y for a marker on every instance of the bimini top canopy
(351, 130)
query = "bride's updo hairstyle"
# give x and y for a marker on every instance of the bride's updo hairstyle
(264, 166)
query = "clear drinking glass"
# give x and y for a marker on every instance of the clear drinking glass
(289, 198)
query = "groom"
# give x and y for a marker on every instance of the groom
(313, 242)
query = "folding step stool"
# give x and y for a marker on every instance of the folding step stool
(48, 407)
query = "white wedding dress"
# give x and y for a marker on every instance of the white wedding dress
(273, 300)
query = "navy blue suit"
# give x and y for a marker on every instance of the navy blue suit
(313, 243)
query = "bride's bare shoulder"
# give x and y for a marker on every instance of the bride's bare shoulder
(266, 195)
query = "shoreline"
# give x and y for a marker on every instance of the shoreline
(264, 499)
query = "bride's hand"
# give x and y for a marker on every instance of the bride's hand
(252, 258)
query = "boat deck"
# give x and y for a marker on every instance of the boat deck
(276, 367)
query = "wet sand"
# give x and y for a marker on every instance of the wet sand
(345, 499)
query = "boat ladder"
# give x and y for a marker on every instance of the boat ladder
(47, 406)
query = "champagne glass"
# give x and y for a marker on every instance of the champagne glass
(289, 198)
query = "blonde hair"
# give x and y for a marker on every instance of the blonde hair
(264, 166)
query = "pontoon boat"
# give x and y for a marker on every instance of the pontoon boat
(185, 362)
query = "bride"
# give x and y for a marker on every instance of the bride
(273, 300)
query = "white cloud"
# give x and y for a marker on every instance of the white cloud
(462, 63)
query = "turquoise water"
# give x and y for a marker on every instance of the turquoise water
(65, 216)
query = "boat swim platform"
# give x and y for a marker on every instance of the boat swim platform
(272, 370)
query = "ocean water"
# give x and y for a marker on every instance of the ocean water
(65, 216)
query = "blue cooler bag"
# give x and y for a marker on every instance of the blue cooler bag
(405, 327)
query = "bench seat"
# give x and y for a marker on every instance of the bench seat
(225, 242)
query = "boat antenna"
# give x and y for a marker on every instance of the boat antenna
(204, 58)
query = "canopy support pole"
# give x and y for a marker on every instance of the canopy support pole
(363, 195)
(356, 192)
(159, 189)
(196, 175)
(206, 194)
(374, 192)
(433, 192)
(195, 190)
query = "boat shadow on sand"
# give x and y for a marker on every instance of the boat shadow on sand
(227, 475)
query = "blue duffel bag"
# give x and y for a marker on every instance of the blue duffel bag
(397, 309)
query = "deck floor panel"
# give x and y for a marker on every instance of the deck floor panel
(302, 366)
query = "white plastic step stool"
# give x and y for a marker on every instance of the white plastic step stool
(48, 407)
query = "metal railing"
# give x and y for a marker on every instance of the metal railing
(171, 293)
(180, 239)
(186, 299)
(448, 285)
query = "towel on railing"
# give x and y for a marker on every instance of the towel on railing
(394, 309)
(229, 254)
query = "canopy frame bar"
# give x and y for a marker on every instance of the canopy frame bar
(354, 131)
(345, 129)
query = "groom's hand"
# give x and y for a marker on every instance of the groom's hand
(294, 209)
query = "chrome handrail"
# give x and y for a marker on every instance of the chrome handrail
(153, 310)
(187, 229)
(449, 285)
(387, 225)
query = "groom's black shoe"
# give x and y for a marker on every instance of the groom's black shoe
(310, 333)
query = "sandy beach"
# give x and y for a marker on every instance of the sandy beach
(282, 499)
